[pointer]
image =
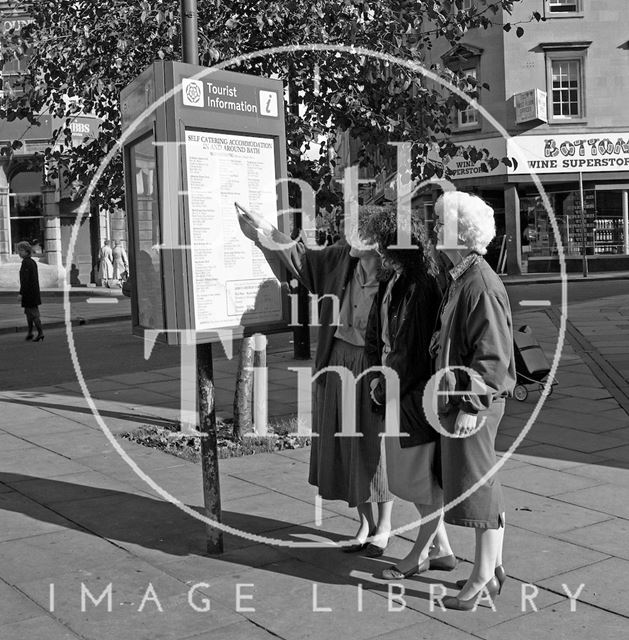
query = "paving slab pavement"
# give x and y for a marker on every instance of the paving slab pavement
(76, 516)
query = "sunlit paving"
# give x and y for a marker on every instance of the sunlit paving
(314, 320)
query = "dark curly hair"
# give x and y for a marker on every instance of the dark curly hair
(380, 228)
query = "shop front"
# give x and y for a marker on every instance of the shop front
(600, 230)
(596, 165)
(45, 214)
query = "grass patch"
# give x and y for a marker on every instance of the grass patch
(282, 436)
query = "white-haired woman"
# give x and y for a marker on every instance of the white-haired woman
(474, 347)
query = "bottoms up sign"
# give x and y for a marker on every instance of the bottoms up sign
(570, 153)
(199, 140)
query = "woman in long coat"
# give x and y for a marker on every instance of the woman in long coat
(105, 264)
(29, 291)
(120, 260)
(349, 468)
(474, 348)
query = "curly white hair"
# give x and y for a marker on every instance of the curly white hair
(475, 218)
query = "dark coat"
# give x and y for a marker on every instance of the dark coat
(412, 316)
(325, 273)
(29, 283)
(476, 332)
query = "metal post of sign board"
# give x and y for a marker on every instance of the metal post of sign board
(583, 227)
(301, 333)
(209, 452)
(205, 368)
(189, 31)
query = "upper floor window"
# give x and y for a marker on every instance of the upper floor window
(563, 7)
(463, 61)
(565, 65)
(468, 117)
(10, 77)
(566, 89)
(462, 5)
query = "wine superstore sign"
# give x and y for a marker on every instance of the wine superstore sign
(229, 97)
(568, 153)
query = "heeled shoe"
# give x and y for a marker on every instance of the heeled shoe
(457, 604)
(358, 546)
(29, 336)
(39, 337)
(499, 573)
(393, 573)
(501, 576)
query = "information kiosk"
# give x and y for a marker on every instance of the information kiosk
(197, 141)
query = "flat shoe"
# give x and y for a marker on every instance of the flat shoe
(444, 563)
(354, 548)
(374, 551)
(393, 573)
(358, 546)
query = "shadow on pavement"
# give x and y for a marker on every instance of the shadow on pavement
(133, 521)
(105, 413)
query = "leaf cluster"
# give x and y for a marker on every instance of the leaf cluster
(78, 54)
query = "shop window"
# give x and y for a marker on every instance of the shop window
(563, 7)
(26, 209)
(598, 228)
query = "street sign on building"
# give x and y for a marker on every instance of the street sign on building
(201, 140)
(461, 168)
(530, 106)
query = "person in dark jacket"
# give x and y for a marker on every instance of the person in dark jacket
(398, 336)
(343, 277)
(29, 291)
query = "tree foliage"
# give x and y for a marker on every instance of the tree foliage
(79, 54)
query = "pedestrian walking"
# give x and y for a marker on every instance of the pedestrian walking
(398, 337)
(476, 333)
(120, 262)
(344, 279)
(29, 291)
(105, 264)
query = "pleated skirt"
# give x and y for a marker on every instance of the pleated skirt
(349, 468)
